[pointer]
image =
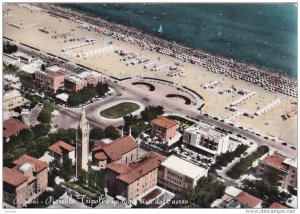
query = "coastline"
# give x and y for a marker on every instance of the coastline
(196, 77)
(270, 80)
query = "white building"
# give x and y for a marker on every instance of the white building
(13, 99)
(178, 174)
(205, 137)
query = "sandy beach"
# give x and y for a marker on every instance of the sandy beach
(195, 78)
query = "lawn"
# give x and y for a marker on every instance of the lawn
(119, 110)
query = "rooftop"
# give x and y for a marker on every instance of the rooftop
(15, 177)
(277, 205)
(11, 94)
(53, 68)
(232, 191)
(206, 129)
(137, 169)
(246, 199)
(39, 165)
(121, 146)
(100, 156)
(13, 126)
(60, 146)
(56, 73)
(164, 122)
(276, 161)
(183, 167)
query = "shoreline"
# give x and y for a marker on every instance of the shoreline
(111, 63)
(270, 80)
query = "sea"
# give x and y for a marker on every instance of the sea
(261, 34)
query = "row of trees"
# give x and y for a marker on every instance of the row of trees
(87, 94)
(45, 115)
(225, 158)
(207, 190)
(94, 180)
(245, 163)
(109, 132)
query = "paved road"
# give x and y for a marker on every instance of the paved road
(170, 106)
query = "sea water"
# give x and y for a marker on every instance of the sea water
(261, 34)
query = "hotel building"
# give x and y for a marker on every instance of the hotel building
(51, 79)
(80, 81)
(205, 137)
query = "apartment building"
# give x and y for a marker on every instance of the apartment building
(163, 128)
(24, 181)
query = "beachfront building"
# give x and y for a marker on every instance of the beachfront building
(13, 99)
(61, 150)
(123, 150)
(78, 82)
(163, 128)
(280, 165)
(131, 181)
(12, 127)
(205, 137)
(178, 174)
(24, 181)
(52, 78)
(236, 198)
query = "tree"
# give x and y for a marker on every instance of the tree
(43, 67)
(67, 169)
(9, 48)
(151, 112)
(38, 147)
(97, 133)
(111, 132)
(265, 189)
(136, 124)
(27, 135)
(41, 129)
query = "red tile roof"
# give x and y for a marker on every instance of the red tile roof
(56, 73)
(164, 122)
(248, 200)
(137, 169)
(97, 143)
(100, 156)
(59, 146)
(13, 177)
(12, 127)
(277, 205)
(39, 165)
(276, 161)
(119, 147)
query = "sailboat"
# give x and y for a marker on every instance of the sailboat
(160, 30)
